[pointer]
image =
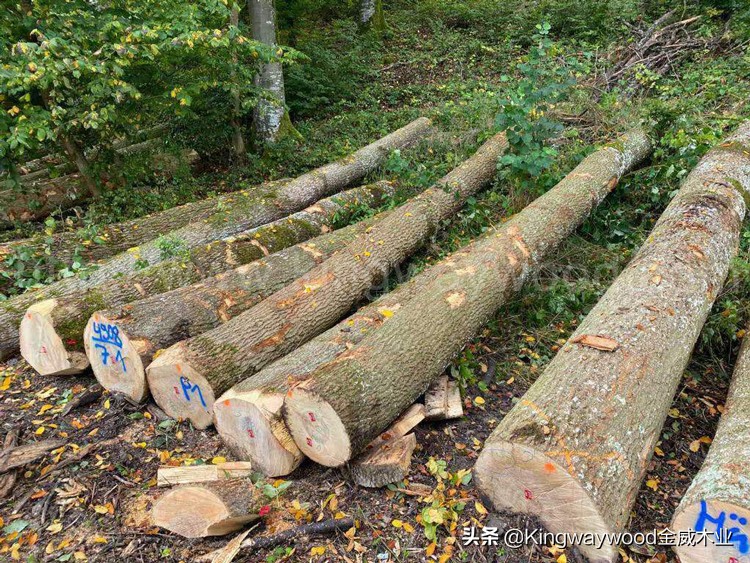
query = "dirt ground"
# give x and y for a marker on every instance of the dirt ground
(90, 500)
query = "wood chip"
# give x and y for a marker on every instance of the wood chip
(602, 343)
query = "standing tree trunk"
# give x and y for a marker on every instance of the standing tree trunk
(51, 330)
(210, 364)
(270, 118)
(574, 449)
(231, 214)
(335, 413)
(718, 500)
(371, 15)
(238, 141)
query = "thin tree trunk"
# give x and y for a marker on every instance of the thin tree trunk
(371, 14)
(51, 331)
(718, 500)
(76, 154)
(229, 215)
(574, 449)
(270, 118)
(335, 413)
(238, 141)
(220, 358)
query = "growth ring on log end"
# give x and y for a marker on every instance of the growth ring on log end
(114, 358)
(519, 479)
(316, 428)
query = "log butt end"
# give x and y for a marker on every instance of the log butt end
(250, 424)
(180, 390)
(696, 516)
(519, 479)
(43, 348)
(195, 512)
(114, 358)
(316, 428)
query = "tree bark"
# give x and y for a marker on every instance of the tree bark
(371, 14)
(238, 140)
(51, 330)
(718, 500)
(339, 408)
(573, 451)
(214, 361)
(388, 463)
(182, 475)
(231, 214)
(270, 117)
(209, 509)
(76, 155)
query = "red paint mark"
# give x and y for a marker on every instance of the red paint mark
(176, 392)
(70, 342)
(734, 560)
(312, 416)
(28, 315)
(309, 442)
(44, 349)
(250, 433)
(549, 467)
(527, 494)
(264, 510)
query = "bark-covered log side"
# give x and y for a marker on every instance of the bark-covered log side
(719, 497)
(235, 215)
(71, 314)
(152, 324)
(573, 451)
(224, 356)
(209, 509)
(366, 388)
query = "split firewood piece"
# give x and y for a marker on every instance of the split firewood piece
(442, 401)
(210, 509)
(8, 480)
(209, 364)
(718, 500)
(387, 463)
(401, 427)
(82, 399)
(391, 367)
(28, 453)
(52, 331)
(573, 451)
(168, 475)
(227, 215)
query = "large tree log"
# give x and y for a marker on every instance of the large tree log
(50, 326)
(206, 366)
(718, 500)
(573, 451)
(236, 214)
(248, 416)
(209, 509)
(343, 405)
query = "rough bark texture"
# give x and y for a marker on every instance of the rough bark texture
(218, 359)
(573, 451)
(718, 500)
(238, 140)
(58, 332)
(209, 509)
(388, 463)
(371, 14)
(357, 396)
(236, 213)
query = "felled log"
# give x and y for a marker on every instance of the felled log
(181, 475)
(51, 331)
(442, 401)
(229, 215)
(209, 509)
(718, 500)
(343, 405)
(208, 365)
(573, 451)
(19, 456)
(248, 416)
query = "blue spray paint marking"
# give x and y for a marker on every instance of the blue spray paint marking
(724, 535)
(106, 335)
(188, 388)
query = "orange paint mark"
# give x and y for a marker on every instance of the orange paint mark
(226, 402)
(178, 367)
(549, 467)
(28, 315)
(273, 340)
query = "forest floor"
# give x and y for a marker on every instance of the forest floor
(91, 499)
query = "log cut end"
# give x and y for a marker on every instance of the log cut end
(114, 358)
(316, 428)
(194, 511)
(43, 348)
(519, 479)
(386, 464)
(717, 518)
(180, 390)
(251, 425)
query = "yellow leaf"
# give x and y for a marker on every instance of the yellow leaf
(695, 445)
(562, 559)
(430, 549)
(100, 509)
(44, 409)
(652, 484)
(318, 550)
(218, 459)
(39, 431)
(658, 451)
(100, 539)
(480, 508)
(478, 401)
(55, 528)
(397, 523)
(387, 313)
(106, 404)
(80, 556)
(408, 528)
